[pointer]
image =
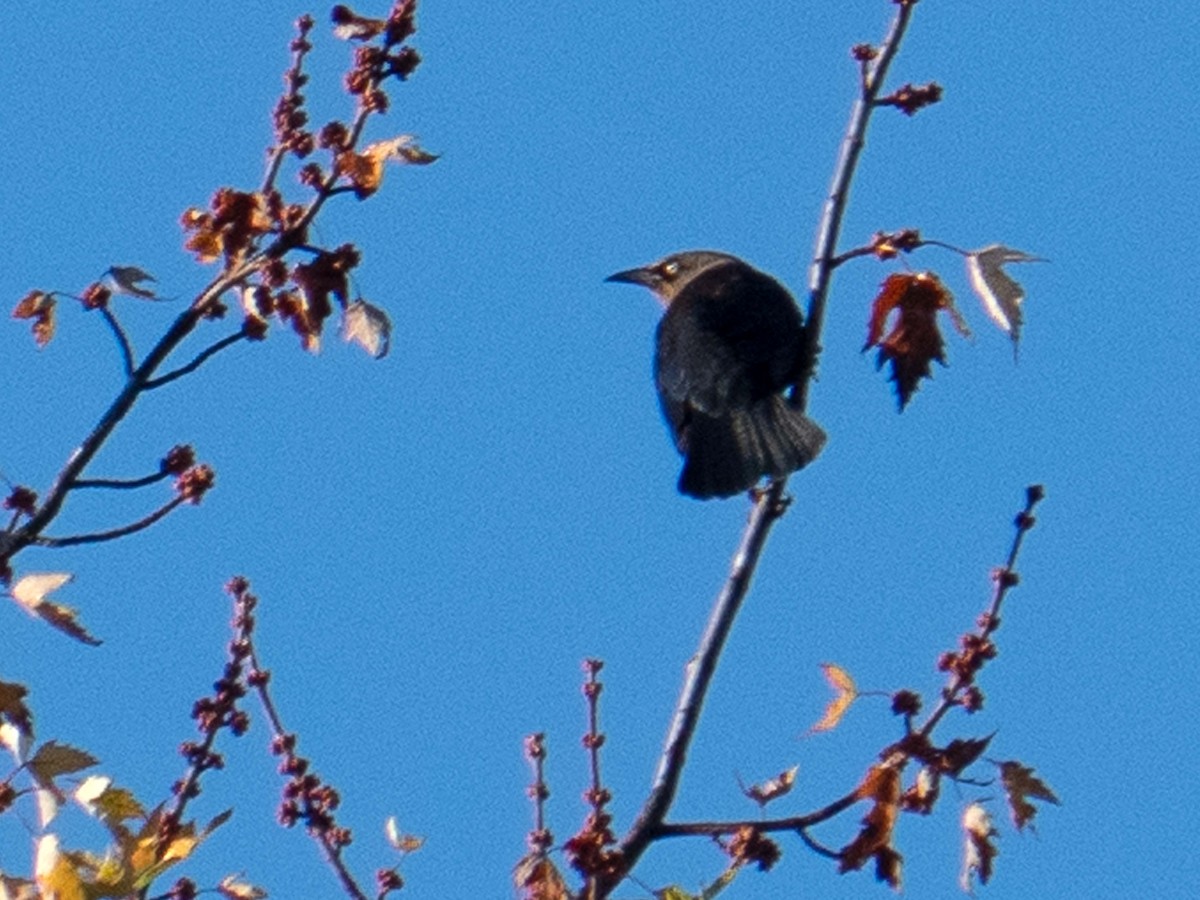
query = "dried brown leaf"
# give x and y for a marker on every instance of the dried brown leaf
(1020, 784)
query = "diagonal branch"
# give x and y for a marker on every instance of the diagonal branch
(98, 537)
(770, 503)
(201, 357)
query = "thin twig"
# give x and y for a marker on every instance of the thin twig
(98, 537)
(769, 504)
(121, 484)
(1005, 580)
(201, 357)
(122, 340)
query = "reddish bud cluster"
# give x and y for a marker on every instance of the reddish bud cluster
(887, 245)
(178, 460)
(21, 500)
(96, 296)
(194, 483)
(388, 880)
(864, 52)
(183, 889)
(237, 220)
(589, 851)
(910, 98)
(906, 703)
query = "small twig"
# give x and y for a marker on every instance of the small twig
(294, 78)
(1005, 579)
(101, 536)
(200, 359)
(122, 340)
(307, 798)
(121, 484)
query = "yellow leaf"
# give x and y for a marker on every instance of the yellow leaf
(55, 874)
(845, 694)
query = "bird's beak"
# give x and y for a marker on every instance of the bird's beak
(643, 276)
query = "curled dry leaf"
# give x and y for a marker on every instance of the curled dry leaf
(39, 306)
(1001, 295)
(233, 888)
(31, 592)
(979, 851)
(845, 694)
(364, 170)
(772, 788)
(405, 843)
(537, 878)
(369, 327)
(350, 26)
(127, 280)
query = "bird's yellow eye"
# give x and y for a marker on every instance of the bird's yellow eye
(669, 269)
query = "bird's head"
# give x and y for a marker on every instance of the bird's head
(669, 275)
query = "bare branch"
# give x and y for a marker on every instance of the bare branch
(122, 340)
(202, 357)
(121, 484)
(98, 537)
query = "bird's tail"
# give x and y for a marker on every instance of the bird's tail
(728, 455)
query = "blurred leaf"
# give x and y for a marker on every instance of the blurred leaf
(234, 889)
(979, 851)
(350, 26)
(39, 306)
(31, 590)
(845, 694)
(126, 280)
(874, 841)
(56, 875)
(405, 843)
(773, 788)
(369, 327)
(1020, 784)
(53, 759)
(13, 710)
(364, 170)
(536, 878)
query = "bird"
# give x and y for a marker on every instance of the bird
(731, 340)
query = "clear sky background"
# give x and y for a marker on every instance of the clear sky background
(440, 538)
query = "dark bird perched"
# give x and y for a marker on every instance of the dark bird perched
(731, 340)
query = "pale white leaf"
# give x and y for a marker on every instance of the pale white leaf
(127, 280)
(47, 856)
(369, 327)
(48, 805)
(90, 790)
(1000, 294)
(31, 591)
(978, 849)
(16, 740)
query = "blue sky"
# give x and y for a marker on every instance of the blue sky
(440, 538)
